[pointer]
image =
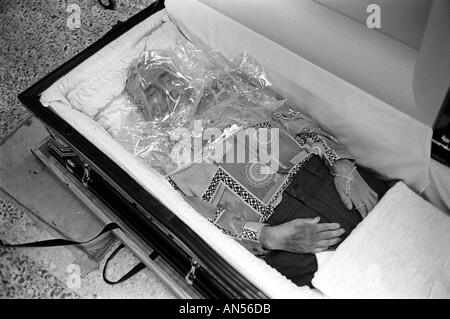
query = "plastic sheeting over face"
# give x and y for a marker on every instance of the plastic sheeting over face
(183, 92)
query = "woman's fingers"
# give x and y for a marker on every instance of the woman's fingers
(362, 209)
(327, 226)
(364, 197)
(344, 198)
(330, 234)
(325, 244)
(369, 206)
(373, 193)
(374, 199)
(371, 200)
(368, 202)
(364, 204)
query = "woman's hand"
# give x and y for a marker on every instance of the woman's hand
(301, 236)
(357, 193)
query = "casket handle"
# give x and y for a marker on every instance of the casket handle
(191, 275)
(86, 175)
(70, 165)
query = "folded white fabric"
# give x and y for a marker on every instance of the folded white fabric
(401, 250)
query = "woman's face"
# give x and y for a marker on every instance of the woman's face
(162, 93)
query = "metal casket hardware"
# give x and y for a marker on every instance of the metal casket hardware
(191, 275)
(86, 175)
(70, 165)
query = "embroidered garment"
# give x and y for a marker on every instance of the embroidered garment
(312, 194)
(308, 134)
(243, 197)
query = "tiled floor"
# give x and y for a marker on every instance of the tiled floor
(35, 39)
(62, 272)
(23, 275)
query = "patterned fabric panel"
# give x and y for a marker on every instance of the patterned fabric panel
(330, 155)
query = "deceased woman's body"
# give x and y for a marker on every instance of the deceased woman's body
(313, 198)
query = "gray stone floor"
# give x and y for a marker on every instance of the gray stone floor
(35, 39)
(62, 272)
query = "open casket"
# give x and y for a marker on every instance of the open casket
(402, 249)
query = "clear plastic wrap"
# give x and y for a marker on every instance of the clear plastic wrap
(184, 89)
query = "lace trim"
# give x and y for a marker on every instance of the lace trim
(328, 152)
(249, 234)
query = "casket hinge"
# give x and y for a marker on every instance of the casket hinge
(86, 175)
(70, 165)
(190, 277)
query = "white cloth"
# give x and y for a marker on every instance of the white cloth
(438, 192)
(401, 250)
